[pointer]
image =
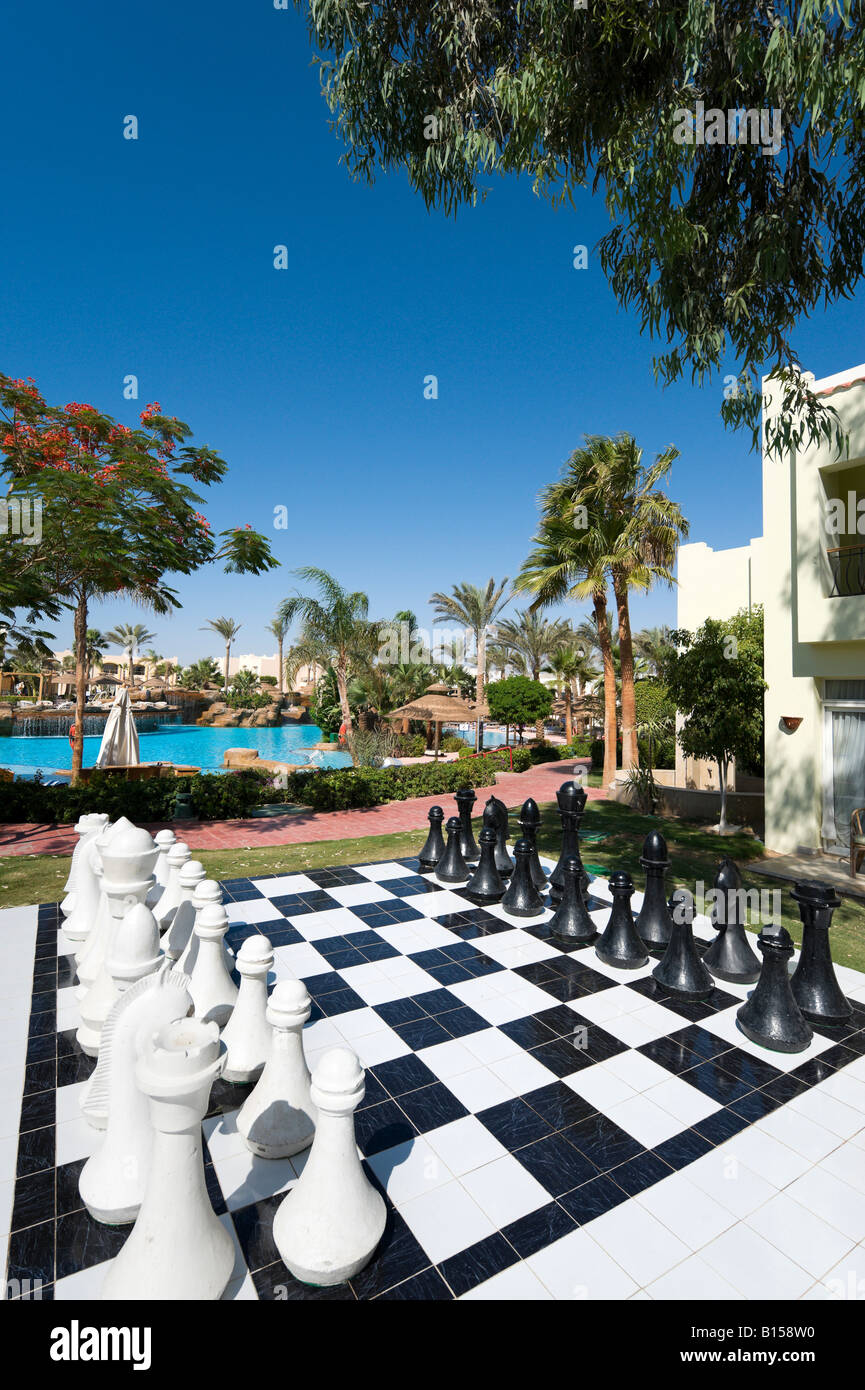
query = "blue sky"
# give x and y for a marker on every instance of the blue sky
(155, 257)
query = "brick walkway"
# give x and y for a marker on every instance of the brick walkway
(540, 782)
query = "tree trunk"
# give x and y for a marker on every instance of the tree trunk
(481, 639)
(225, 677)
(80, 628)
(539, 723)
(722, 782)
(342, 689)
(569, 719)
(280, 686)
(599, 600)
(630, 750)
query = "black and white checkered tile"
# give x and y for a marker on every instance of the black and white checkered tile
(543, 1126)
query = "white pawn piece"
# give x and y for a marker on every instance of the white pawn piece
(165, 840)
(87, 827)
(213, 991)
(114, 1178)
(176, 936)
(178, 855)
(83, 901)
(247, 1032)
(328, 1227)
(206, 894)
(178, 1249)
(278, 1118)
(125, 855)
(133, 952)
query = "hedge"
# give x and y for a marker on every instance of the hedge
(340, 789)
(215, 796)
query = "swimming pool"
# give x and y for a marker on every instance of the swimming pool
(176, 743)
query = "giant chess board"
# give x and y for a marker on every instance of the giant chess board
(541, 1124)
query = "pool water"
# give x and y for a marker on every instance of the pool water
(176, 743)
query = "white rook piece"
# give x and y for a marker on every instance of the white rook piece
(178, 855)
(278, 1118)
(165, 840)
(178, 1249)
(206, 894)
(247, 1032)
(114, 1178)
(175, 938)
(133, 952)
(213, 991)
(328, 1227)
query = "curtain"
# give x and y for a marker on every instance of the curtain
(848, 770)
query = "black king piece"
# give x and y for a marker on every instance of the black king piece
(572, 808)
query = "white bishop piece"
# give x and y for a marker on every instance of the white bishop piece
(278, 1118)
(178, 855)
(328, 1227)
(179, 1249)
(87, 828)
(206, 894)
(213, 991)
(247, 1033)
(111, 870)
(83, 901)
(165, 841)
(176, 937)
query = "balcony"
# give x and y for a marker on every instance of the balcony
(847, 566)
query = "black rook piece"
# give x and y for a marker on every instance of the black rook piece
(496, 818)
(815, 988)
(654, 924)
(486, 884)
(530, 819)
(522, 898)
(771, 1016)
(572, 805)
(435, 845)
(681, 971)
(730, 956)
(571, 919)
(465, 799)
(452, 868)
(620, 945)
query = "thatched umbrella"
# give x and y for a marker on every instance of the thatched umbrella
(436, 707)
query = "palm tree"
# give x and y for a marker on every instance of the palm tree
(533, 640)
(572, 668)
(129, 638)
(654, 644)
(475, 609)
(279, 627)
(228, 630)
(336, 624)
(94, 649)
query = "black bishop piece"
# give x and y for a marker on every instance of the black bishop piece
(730, 956)
(529, 820)
(452, 868)
(681, 971)
(496, 818)
(771, 1016)
(814, 984)
(572, 805)
(654, 923)
(571, 920)
(620, 945)
(486, 884)
(465, 799)
(434, 848)
(522, 898)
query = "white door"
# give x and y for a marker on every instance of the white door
(843, 760)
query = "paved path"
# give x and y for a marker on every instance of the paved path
(513, 788)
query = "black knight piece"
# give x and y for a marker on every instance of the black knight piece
(452, 868)
(730, 956)
(620, 945)
(771, 1016)
(496, 818)
(814, 984)
(529, 820)
(522, 898)
(681, 971)
(572, 806)
(434, 848)
(465, 799)
(571, 920)
(486, 884)
(654, 923)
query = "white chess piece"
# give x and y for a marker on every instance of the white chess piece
(247, 1032)
(278, 1118)
(84, 900)
(327, 1228)
(120, 850)
(178, 1249)
(213, 991)
(206, 894)
(179, 930)
(86, 828)
(178, 855)
(113, 1180)
(165, 840)
(133, 952)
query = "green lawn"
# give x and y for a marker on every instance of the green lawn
(695, 854)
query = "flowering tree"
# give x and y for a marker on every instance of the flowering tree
(117, 514)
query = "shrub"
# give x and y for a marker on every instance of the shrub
(340, 789)
(215, 796)
(411, 745)
(452, 744)
(267, 680)
(543, 752)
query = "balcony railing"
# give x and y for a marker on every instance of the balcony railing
(847, 563)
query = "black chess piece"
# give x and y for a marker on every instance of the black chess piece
(496, 817)
(434, 848)
(681, 971)
(814, 984)
(465, 799)
(571, 919)
(730, 956)
(452, 867)
(529, 820)
(654, 922)
(620, 945)
(771, 1016)
(486, 884)
(572, 805)
(522, 898)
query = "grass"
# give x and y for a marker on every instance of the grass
(695, 855)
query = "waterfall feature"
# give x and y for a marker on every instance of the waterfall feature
(57, 725)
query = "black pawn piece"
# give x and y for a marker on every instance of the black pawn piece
(681, 971)
(730, 956)
(486, 884)
(465, 799)
(530, 819)
(572, 805)
(620, 945)
(452, 867)
(815, 987)
(522, 898)
(496, 818)
(435, 845)
(771, 1016)
(571, 919)
(654, 923)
